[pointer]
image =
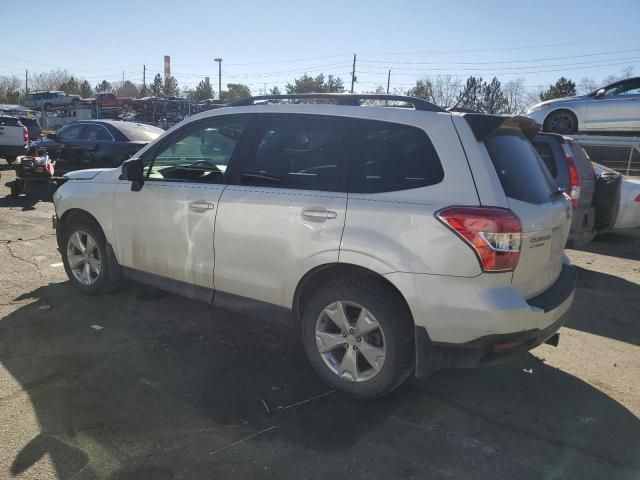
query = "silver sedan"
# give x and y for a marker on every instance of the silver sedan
(612, 108)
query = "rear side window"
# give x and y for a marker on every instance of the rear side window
(10, 122)
(299, 152)
(390, 157)
(519, 167)
(546, 154)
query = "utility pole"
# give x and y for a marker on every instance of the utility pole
(122, 78)
(353, 72)
(219, 60)
(26, 82)
(144, 77)
(388, 81)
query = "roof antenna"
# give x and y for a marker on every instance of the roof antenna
(466, 92)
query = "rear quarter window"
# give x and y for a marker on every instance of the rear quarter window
(391, 157)
(10, 122)
(519, 167)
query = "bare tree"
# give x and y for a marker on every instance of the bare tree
(446, 90)
(49, 80)
(516, 97)
(586, 85)
(10, 89)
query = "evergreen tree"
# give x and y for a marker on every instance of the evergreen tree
(563, 88)
(157, 87)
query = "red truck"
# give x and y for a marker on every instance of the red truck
(109, 100)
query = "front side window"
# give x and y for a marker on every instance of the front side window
(198, 154)
(391, 157)
(632, 87)
(70, 133)
(301, 152)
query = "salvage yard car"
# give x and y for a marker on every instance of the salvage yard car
(628, 215)
(50, 99)
(97, 143)
(403, 240)
(612, 108)
(14, 137)
(570, 167)
(109, 100)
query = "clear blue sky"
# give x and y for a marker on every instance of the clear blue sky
(273, 42)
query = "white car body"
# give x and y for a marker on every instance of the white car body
(629, 210)
(614, 107)
(263, 242)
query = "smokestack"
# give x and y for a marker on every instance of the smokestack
(167, 67)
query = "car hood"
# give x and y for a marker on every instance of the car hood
(87, 174)
(558, 100)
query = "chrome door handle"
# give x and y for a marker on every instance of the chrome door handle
(201, 206)
(318, 214)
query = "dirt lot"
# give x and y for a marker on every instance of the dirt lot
(146, 385)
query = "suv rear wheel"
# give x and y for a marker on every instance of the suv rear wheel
(358, 336)
(86, 259)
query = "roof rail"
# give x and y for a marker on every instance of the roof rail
(352, 99)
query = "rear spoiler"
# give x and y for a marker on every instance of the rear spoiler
(483, 125)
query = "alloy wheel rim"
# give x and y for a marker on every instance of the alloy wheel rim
(84, 257)
(562, 124)
(350, 341)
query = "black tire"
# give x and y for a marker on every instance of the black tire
(562, 122)
(10, 160)
(396, 323)
(108, 278)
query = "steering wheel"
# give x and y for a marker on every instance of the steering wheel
(205, 163)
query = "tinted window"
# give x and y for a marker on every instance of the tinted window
(71, 133)
(392, 157)
(520, 169)
(546, 153)
(298, 152)
(200, 153)
(10, 122)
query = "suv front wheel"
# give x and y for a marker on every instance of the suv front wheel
(358, 336)
(86, 260)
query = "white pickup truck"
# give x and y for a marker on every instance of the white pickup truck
(14, 136)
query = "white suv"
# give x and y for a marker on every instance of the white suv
(402, 239)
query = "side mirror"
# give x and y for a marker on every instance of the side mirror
(133, 170)
(600, 93)
(52, 136)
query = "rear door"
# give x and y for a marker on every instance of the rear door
(545, 213)
(285, 211)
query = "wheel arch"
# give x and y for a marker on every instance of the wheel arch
(561, 108)
(74, 214)
(323, 274)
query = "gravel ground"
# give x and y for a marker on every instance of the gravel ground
(147, 385)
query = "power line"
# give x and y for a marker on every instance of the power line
(394, 62)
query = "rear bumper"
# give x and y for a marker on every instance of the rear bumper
(551, 305)
(582, 226)
(11, 150)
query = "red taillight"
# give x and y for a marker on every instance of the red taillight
(495, 234)
(637, 199)
(25, 135)
(574, 175)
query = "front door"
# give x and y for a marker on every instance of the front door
(166, 228)
(618, 109)
(285, 211)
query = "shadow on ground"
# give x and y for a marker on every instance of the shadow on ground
(620, 243)
(606, 305)
(144, 386)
